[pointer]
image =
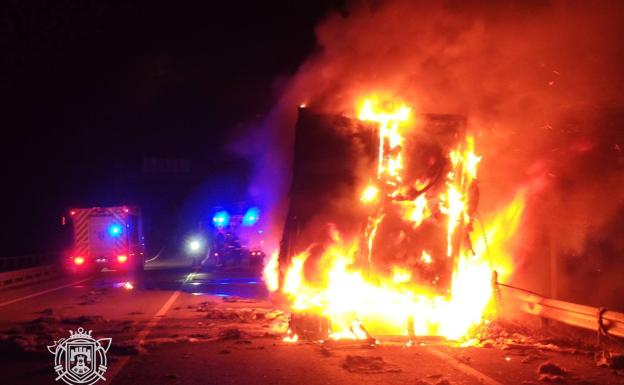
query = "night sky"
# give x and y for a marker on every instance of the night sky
(92, 89)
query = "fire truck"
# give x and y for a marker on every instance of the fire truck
(232, 238)
(106, 237)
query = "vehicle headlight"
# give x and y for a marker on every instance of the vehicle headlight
(194, 245)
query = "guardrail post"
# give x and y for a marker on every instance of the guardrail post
(496, 293)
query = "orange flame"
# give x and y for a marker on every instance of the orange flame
(370, 194)
(271, 272)
(351, 296)
(291, 337)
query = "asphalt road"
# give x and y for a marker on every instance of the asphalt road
(180, 326)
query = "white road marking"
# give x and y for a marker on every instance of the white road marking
(42, 292)
(466, 369)
(147, 329)
(156, 318)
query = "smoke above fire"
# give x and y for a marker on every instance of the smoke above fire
(542, 88)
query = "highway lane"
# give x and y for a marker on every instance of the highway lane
(110, 294)
(72, 296)
(178, 325)
(270, 361)
(121, 304)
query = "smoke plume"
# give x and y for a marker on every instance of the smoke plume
(542, 87)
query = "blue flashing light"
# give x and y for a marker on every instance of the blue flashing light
(221, 219)
(114, 230)
(251, 216)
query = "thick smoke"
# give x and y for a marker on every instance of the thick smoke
(542, 87)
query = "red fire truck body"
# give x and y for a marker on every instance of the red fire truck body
(107, 237)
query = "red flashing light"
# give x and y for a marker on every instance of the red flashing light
(73, 212)
(126, 210)
(122, 258)
(79, 261)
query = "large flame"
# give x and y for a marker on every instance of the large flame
(270, 273)
(348, 294)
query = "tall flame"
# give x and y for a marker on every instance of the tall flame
(271, 272)
(349, 294)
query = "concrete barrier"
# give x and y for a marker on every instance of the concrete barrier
(27, 261)
(28, 276)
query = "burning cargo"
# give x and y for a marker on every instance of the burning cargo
(380, 229)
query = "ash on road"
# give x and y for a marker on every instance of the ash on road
(177, 326)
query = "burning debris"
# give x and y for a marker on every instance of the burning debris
(402, 255)
(314, 327)
(307, 326)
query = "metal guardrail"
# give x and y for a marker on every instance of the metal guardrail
(605, 322)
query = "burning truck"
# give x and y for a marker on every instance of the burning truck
(382, 234)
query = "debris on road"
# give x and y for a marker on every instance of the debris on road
(309, 326)
(326, 352)
(47, 311)
(92, 297)
(506, 335)
(127, 348)
(16, 347)
(239, 299)
(368, 365)
(552, 378)
(606, 359)
(83, 319)
(532, 357)
(550, 368)
(230, 334)
(439, 382)
(549, 372)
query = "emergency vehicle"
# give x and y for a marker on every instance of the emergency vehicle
(237, 238)
(107, 237)
(231, 239)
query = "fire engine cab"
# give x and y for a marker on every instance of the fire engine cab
(106, 237)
